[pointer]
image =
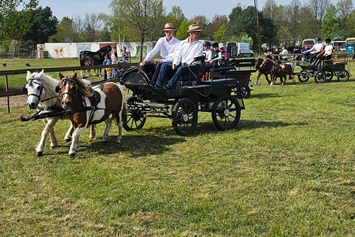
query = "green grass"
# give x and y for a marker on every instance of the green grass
(287, 170)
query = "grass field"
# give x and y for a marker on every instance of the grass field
(287, 170)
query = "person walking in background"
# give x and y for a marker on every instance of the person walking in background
(113, 61)
(283, 52)
(167, 46)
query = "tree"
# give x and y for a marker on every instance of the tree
(65, 31)
(176, 16)
(13, 23)
(145, 16)
(181, 33)
(344, 11)
(330, 24)
(216, 23)
(43, 25)
(220, 34)
(92, 28)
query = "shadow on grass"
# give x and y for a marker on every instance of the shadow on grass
(263, 95)
(209, 127)
(136, 145)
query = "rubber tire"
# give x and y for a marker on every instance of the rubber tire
(135, 119)
(245, 90)
(184, 117)
(303, 76)
(319, 77)
(223, 112)
(343, 75)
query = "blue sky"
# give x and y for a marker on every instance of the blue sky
(190, 8)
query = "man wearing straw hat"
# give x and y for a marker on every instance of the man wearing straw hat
(188, 49)
(166, 46)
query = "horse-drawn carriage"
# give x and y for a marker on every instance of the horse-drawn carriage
(324, 71)
(220, 93)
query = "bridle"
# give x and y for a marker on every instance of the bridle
(65, 81)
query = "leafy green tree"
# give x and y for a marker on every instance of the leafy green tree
(176, 16)
(216, 23)
(181, 33)
(345, 10)
(65, 31)
(330, 24)
(144, 16)
(13, 23)
(220, 34)
(43, 25)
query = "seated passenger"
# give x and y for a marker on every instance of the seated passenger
(225, 55)
(166, 46)
(216, 55)
(311, 54)
(328, 50)
(187, 50)
(207, 51)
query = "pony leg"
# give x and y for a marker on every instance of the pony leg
(108, 123)
(257, 79)
(74, 147)
(92, 131)
(68, 135)
(47, 130)
(120, 125)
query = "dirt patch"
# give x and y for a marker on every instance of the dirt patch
(15, 101)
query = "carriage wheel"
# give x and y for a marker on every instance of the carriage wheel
(184, 115)
(343, 75)
(303, 76)
(328, 75)
(320, 77)
(226, 112)
(245, 90)
(135, 117)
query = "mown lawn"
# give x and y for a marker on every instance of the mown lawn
(287, 170)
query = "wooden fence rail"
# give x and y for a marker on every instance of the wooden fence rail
(7, 73)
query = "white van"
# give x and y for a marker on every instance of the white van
(241, 49)
(309, 42)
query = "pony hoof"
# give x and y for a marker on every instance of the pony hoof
(67, 140)
(72, 155)
(40, 153)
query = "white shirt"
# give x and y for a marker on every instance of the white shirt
(187, 51)
(328, 50)
(317, 48)
(167, 49)
(208, 54)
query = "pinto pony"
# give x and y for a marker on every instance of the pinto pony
(41, 95)
(88, 107)
(281, 70)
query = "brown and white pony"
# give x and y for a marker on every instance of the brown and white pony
(41, 95)
(103, 103)
(263, 67)
(281, 70)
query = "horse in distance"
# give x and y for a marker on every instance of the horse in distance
(103, 103)
(89, 58)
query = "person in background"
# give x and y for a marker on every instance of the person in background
(207, 51)
(283, 51)
(216, 55)
(187, 50)
(108, 70)
(167, 46)
(276, 52)
(267, 51)
(124, 55)
(113, 61)
(225, 55)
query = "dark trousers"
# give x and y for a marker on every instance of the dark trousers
(152, 70)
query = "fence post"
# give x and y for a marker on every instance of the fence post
(7, 90)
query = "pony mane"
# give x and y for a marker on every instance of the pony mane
(83, 87)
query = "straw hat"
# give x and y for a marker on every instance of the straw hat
(193, 28)
(168, 26)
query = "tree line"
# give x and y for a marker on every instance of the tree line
(143, 20)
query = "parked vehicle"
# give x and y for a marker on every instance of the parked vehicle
(350, 45)
(338, 45)
(239, 49)
(309, 42)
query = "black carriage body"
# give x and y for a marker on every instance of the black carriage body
(220, 94)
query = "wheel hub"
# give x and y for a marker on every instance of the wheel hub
(185, 117)
(226, 112)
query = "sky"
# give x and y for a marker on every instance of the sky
(190, 8)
